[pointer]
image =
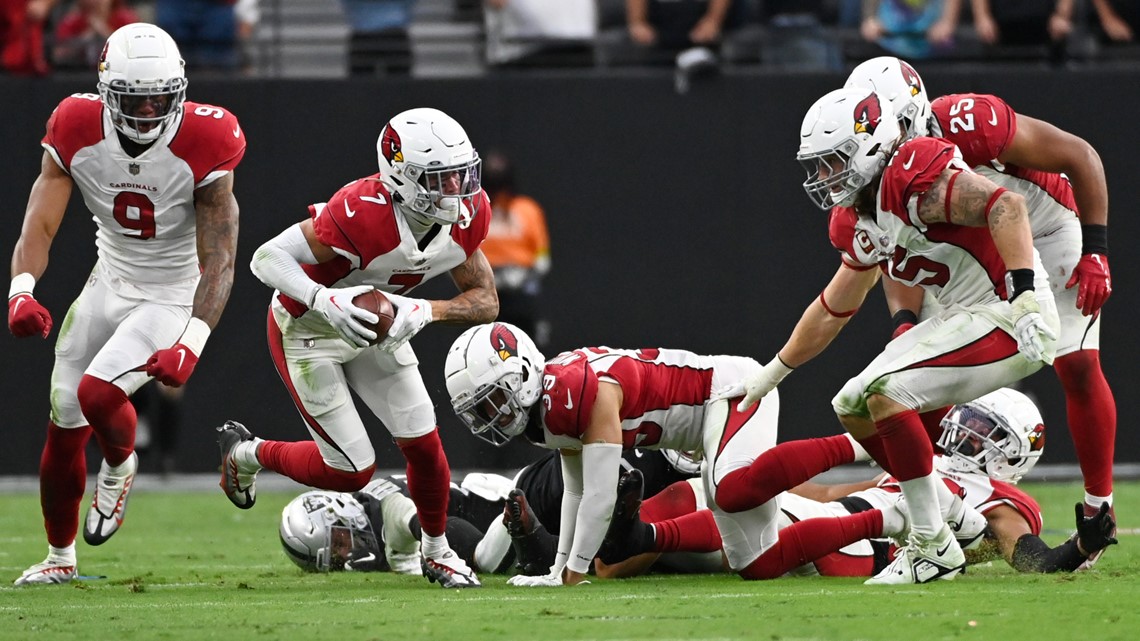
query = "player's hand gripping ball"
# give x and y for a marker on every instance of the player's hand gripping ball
(376, 302)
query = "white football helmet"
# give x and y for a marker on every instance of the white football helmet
(899, 83)
(140, 68)
(1000, 435)
(846, 139)
(493, 374)
(428, 164)
(321, 530)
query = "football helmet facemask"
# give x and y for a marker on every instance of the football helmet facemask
(493, 374)
(1000, 435)
(846, 139)
(142, 81)
(321, 531)
(428, 164)
(900, 84)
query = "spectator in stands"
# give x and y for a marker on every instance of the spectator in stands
(22, 36)
(1018, 22)
(517, 247)
(379, 44)
(524, 30)
(248, 14)
(915, 29)
(205, 30)
(83, 30)
(675, 25)
(1116, 20)
(797, 37)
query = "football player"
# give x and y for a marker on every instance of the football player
(990, 444)
(915, 206)
(424, 214)
(593, 403)
(522, 513)
(156, 172)
(1059, 174)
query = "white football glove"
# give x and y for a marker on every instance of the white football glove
(412, 315)
(336, 306)
(758, 385)
(1029, 327)
(553, 579)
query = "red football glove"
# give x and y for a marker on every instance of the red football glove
(901, 329)
(1095, 281)
(26, 317)
(172, 366)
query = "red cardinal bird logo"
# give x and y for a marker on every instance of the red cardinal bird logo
(910, 76)
(390, 145)
(868, 113)
(503, 340)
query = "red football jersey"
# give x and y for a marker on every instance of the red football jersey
(983, 126)
(664, 395)
(376, 247)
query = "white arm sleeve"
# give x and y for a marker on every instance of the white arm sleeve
(600, 465)
(571, 498)
(277, 263)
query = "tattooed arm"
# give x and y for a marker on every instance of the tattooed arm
(478, 302)
(971, 203)
(217, 222)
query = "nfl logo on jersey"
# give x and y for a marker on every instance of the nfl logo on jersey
(133, 168)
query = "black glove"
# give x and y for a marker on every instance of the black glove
(1094, 533)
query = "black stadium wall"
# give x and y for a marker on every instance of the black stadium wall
(676, 221)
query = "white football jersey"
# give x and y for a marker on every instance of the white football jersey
(144, 206)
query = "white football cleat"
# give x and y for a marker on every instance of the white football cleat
(924, 561)
(237, 479)
(109, 505)
(51, 571)
(449, 570)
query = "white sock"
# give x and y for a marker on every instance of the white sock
(65, 555)
(433, 546)
(922, 502)
(893, 522)
(860, 453)
(945, 498)
(245, 453)
(1095, 501)
(493, 547)
(121, 469)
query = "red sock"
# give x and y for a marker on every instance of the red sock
(932, 422)
(429, 480)
(111, 415)
(874, 446)
(780, 469)
(676, 500)
(1091, 412)
(63, 477)
(907, 445)
(811, 539)
(302, 462)
(695, 532)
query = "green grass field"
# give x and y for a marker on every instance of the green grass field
(190, 566)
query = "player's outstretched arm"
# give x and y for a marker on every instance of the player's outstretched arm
(46, 206)
(216, 221)
(820, 323)
(1040, 145)
(216, 212)
(477, 302)
(1026, 552)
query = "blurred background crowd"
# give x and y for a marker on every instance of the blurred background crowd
(434, 38)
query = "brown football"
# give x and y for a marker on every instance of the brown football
(376, 302)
